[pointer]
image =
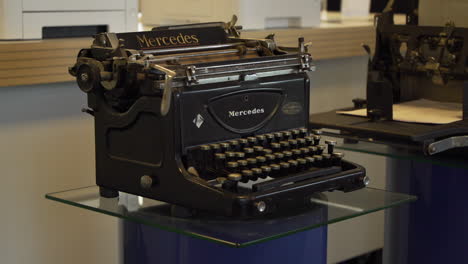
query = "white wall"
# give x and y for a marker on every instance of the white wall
(334, 84)
(47, 145)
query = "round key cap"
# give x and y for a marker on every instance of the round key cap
(279, 156)
(293, 164)
(243, 142)
(309, 140)
(243, 163)
(302, 163)
(266, 171)
(287, 134)
(252, 162)
(316, 139)
(303, 132)
(278, 136)
(224, 146)
(249, 152)
(292, 143)
(275, 170)
(252, 141)
(240, 155)
(247, 175)
(234, 176)
(301, 142)
(235, 145)
(257, 173)
(260, 160)
(287, 155)
(232, 166)
(275, 147)
(215, 147)
(267, 151)
(270, 137)
(320, 149)
(295, 133)
(258, 150)
(231, 156)
(270, 158)
(296, 153)
(284, 145)
(316, 132)
(305, 151)
(284, 168)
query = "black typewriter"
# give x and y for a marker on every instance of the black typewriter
(198, 117)
(410, 62)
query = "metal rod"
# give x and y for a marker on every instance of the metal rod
(196, 48)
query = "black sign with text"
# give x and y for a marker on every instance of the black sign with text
(173, 38)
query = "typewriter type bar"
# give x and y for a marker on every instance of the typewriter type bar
(410, 62)
(200, 118)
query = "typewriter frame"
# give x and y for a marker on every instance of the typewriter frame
(389, 73)
(159, 171)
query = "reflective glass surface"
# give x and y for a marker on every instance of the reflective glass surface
(325, 208)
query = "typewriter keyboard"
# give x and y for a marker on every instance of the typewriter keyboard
(293, 155)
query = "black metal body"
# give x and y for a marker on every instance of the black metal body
(144, 151)
(410, 62)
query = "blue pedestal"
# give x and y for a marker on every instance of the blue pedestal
(433, 229)
(145, 244)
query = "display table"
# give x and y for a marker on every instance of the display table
(151, 233)
(433, 229)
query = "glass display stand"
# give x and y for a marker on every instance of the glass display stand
(326, 208)
(151, 235)
(432, 229)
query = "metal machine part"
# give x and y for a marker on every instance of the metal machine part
(410, 62)
(198, 117)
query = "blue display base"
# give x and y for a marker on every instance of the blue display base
(144, 244)
(434, 228)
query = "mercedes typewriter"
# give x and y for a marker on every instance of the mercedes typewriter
(198, 117)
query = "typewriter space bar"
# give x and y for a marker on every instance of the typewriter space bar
(311, 173)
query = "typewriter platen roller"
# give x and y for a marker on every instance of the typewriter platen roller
(199, 117)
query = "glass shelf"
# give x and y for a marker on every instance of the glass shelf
(326, 208)
(457, 160)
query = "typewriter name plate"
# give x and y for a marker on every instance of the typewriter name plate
(247, 111)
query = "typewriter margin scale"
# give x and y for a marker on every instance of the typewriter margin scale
(139, 99)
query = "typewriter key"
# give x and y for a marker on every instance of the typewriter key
(297, 153)
(249, 152)
(318, 160)
(337, 157)
(233, 166)
(252, 162)
(303, 132)
(247, 175)
(260, 160)
(206, 156)
(316, 139)
(243, 164)
(235, 145)
(270, 137)
(287, 135)
(301, 142)
(275, 170)
(267, 151)
(326, 160)
(258, 150)
(224, 146)
(284, 168)
(257, 173)
(266, 170)
(240, 155)
(261, 139)
(310, 161)
(244, 143)
(309, 140)
(302, 164)
(287, 155)
(292, 143)
(234, 176)
(295, 133)
(220, 161)
(293, 165)
(331, 145)
(270, 158)
(230, 156)
(305, 151)
(284, 145)
(313, 150)
(275, 147)
(278, 156)
(320, 149)
(215, 147)
(278, 136)
(252, 141)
